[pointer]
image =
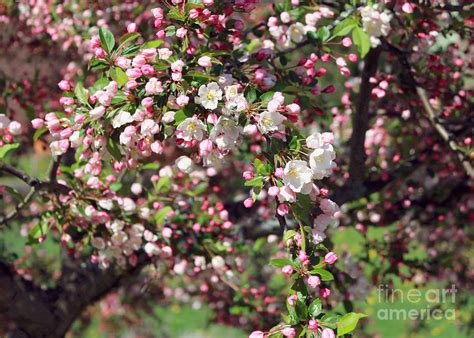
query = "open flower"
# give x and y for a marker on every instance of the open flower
(297, 175)
(321, 161)
(269, 121)
(209, 95)
(191, 128)
(123, 117)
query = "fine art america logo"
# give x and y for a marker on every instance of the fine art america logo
(438, 304)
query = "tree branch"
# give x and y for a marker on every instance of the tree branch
(36, 186)
(49, 313)
(429, 111)
(443, 133)
(354, 187)
(22, 302)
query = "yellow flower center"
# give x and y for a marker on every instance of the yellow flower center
(191, 127)
(211, 95)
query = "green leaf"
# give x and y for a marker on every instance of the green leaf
(119, 76)
(199, 75)
(330, 320)
(324, 33)
(129, 37)
(14, 193)
(293, 314)
(280, 262)
(301, 310)
(161, 214)
(315, 308)
(267, 96)
(325, 275)
(114, 149)
(300, 286)
(313, 37)
(40, 229)
(116, 186)
(81, 94)
(348, 323)
(151, 166)
(254, 182)
(96, 64)
(163, 184)
(362, 40)
(288, 234)
(39, 133)
(251, 94)
(345, 27)
(152, 44)
(107, 39)
(5, 149)
(176, 14)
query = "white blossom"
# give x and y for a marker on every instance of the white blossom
(123, 117)
(225, 133)
(375, 23)
(191, 128)
(209, 95)
(296, 32)
(184, 163)
(269, 121)
(297, 175)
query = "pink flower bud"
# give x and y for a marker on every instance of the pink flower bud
(324, 292)
(147, 102)
(407, 8)
(95, 42)
(314, 281)
(279, 172)
(283, 209)
(329, 89)
(182, 100)
(328, 333)
(293, 109)
(193, 13)
(132, 27)
(330, 258)
(205, 147)
(248, 202)
(313, 325)
(181, 32)
(352, 57)
(302, 256)
(132, 84)
(64, 85)
(347, 42)
(289, 332)
(158, 13)
(287, 270)
(100, 53)
(205, 61)
(66, 101)
(292, 300)
(37, 123)
(247, 175)
(257, 334)
(273, 191)
(161, 34)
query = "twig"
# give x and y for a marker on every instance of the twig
(36, 186)
(422, 95)
(442, 132)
